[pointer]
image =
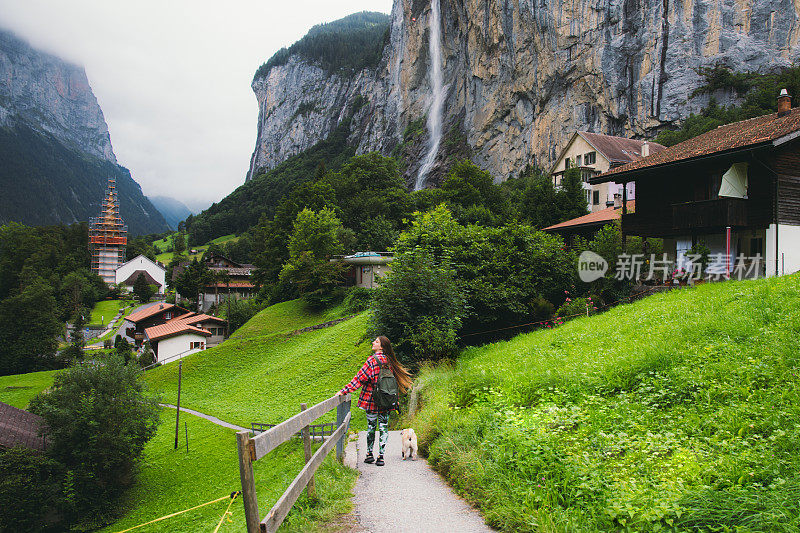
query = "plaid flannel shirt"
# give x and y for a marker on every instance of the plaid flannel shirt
(366, 378)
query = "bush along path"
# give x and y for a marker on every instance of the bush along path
(405, 496)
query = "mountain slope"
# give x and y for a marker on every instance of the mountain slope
(521, 77)
(55, 150)
(174, 211)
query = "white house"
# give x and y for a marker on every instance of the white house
(154, 273)
(594, 154)
(185, 335)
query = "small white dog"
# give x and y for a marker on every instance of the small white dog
(409, 444)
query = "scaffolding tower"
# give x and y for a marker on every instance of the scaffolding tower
(108, 236)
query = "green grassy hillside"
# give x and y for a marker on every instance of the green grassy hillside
(261, 374)
(19, 389)
(680, 412)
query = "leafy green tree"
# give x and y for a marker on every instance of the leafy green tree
(419, 307)
(503, 272)
(141, 245)
(314, 240)
(571, 199)
(141, 289)
(194, 277)
(99, 420)
(179, 243)
(30, 491)
(472, 195)
(29, 344)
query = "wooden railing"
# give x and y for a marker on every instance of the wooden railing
(252, 449)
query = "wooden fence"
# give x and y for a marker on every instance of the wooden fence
(317, 431)
(253, 448)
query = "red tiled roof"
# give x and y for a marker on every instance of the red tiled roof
(172, 328)
(182, 324)
(619, 149)
(138, 316)
(747, 133)
(202, 318)
(20, 428)
(603, 216)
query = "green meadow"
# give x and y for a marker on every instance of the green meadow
(680, 412)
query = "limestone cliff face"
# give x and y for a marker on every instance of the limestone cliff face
(523, 75)
(50, 95)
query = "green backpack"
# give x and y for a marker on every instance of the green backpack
(385, 392)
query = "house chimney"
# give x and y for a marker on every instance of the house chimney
(784, 103)
(645, 149)
(617, 200)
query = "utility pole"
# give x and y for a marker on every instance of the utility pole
(178, 413)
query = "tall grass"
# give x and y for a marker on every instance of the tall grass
(679, 412)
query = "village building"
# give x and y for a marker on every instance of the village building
(365, 268)
(735, 189)
(154, 273)
(594, 154)
(21, 428)
(108, 236)
(137, 322)
(230, 280)
(185, 334)
(587, 226)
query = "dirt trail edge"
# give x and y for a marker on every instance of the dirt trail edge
(405, 496)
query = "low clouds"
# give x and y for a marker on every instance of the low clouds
(173, 78)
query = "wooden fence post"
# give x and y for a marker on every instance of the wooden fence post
(246, 452)
(310, 490)
(341, 412)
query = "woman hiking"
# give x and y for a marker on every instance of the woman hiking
(367, 378)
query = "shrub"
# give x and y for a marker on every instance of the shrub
(237, 312)
(419, 307)
(357, 300)
(99, 420)
(30, 490)
(578, 306)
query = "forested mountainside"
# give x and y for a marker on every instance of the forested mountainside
(518, 78)
(55, 149)
(174, 211)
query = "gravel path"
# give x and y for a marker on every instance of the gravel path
(406, 496)
(210, 418)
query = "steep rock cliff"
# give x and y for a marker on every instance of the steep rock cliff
(55, 149)
(51, 95)
(523, 75)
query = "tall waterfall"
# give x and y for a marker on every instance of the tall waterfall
(438, 91)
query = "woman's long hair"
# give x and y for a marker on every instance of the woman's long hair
(402, 375)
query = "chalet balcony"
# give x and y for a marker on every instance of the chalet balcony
(710, 214)
(647, 224)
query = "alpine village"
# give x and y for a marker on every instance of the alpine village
(574, 225)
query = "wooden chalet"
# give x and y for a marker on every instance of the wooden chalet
(736, 189)
(238, 284)
(137, 322)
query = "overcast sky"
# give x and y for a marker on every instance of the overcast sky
(173, 77)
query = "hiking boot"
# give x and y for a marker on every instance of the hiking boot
(369, 459)
(379, 462)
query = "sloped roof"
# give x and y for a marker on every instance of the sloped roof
(148, 278)
(604, 216)
(619, 149)
(172, 328)
(20, 428)
(201, 318)
(138, 316)
(763, 130)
